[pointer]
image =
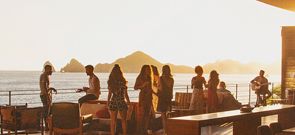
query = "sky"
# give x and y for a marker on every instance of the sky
(181, 32)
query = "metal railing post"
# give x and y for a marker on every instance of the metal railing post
(9, 98)
(187, 89)
(249, 94)
(237, 91)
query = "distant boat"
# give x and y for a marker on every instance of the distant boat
(267, 75)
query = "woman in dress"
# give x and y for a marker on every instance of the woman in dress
(144, 83)
(165, 94)
(197, 83)
(155, 86)
(117, 86)
(212, 98)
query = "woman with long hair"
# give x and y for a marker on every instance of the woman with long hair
(155, 86)
(165, 94)
(197, 83)
(212, 99)
(144, 83)
(117, 86)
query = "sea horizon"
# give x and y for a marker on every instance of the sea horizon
(24, 85)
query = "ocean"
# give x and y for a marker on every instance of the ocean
(24, 85)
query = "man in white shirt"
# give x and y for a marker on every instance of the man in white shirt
(93, 91)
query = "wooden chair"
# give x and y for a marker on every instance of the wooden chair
(275, 128)
(66, 118)
(182, 100)
(263, 130)
(14, 118)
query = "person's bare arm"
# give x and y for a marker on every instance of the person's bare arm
(139, 84)
(126, 96)
(109, 97)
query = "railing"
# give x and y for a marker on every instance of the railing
(242, 92)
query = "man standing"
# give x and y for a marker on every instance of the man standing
(93, 91)
(261, 84)
(45, 93)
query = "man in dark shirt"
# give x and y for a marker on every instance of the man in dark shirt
(260, 84)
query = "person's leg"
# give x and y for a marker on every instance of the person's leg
(86, 98)
(45, 110)
(142, 120)
(113, 122)
(164, 120)
(259, 99)
(124, 125)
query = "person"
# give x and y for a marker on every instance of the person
(197, 83)
(155, 86)
(144, 83)
(117, 86)
(222, 88)
(45, 93)
(212, 99)
(262, 89)
(165, 94)
(93, 91)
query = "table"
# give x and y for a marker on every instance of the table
(290, 131)
(243, 123)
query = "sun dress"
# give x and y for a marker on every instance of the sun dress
(117, 101)
(212, 98)
(197, 100)
(165, 96)
(155, 97)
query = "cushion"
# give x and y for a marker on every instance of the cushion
(104, 113)
(89, 108)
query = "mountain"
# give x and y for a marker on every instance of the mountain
(133, 63)
(73, 66)
(234, 67)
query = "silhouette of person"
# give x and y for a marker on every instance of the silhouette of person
(144, 83)
(155, 86)
(45, 93)
(212, 99)
(93, 91)
(165, 94)
(222, 87)
(117, 86)
(262, 88)
(197, 83)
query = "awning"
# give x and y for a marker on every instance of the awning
(284, 4)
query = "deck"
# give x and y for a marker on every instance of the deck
(224, 129)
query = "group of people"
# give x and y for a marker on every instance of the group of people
(156, 93)
(197, 84)
(149, 82)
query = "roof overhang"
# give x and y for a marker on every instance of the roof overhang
(284, 4)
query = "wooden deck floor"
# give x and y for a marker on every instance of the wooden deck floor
(224, 129)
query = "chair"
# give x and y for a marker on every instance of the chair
(275, 128)
(263, 130)
(14, 118)
(66, 118)
(182, 100)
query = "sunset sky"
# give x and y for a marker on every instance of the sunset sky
(181, 32)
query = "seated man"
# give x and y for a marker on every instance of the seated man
(222, 87)
(93, 91)
(260, 84)
(226, 99)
